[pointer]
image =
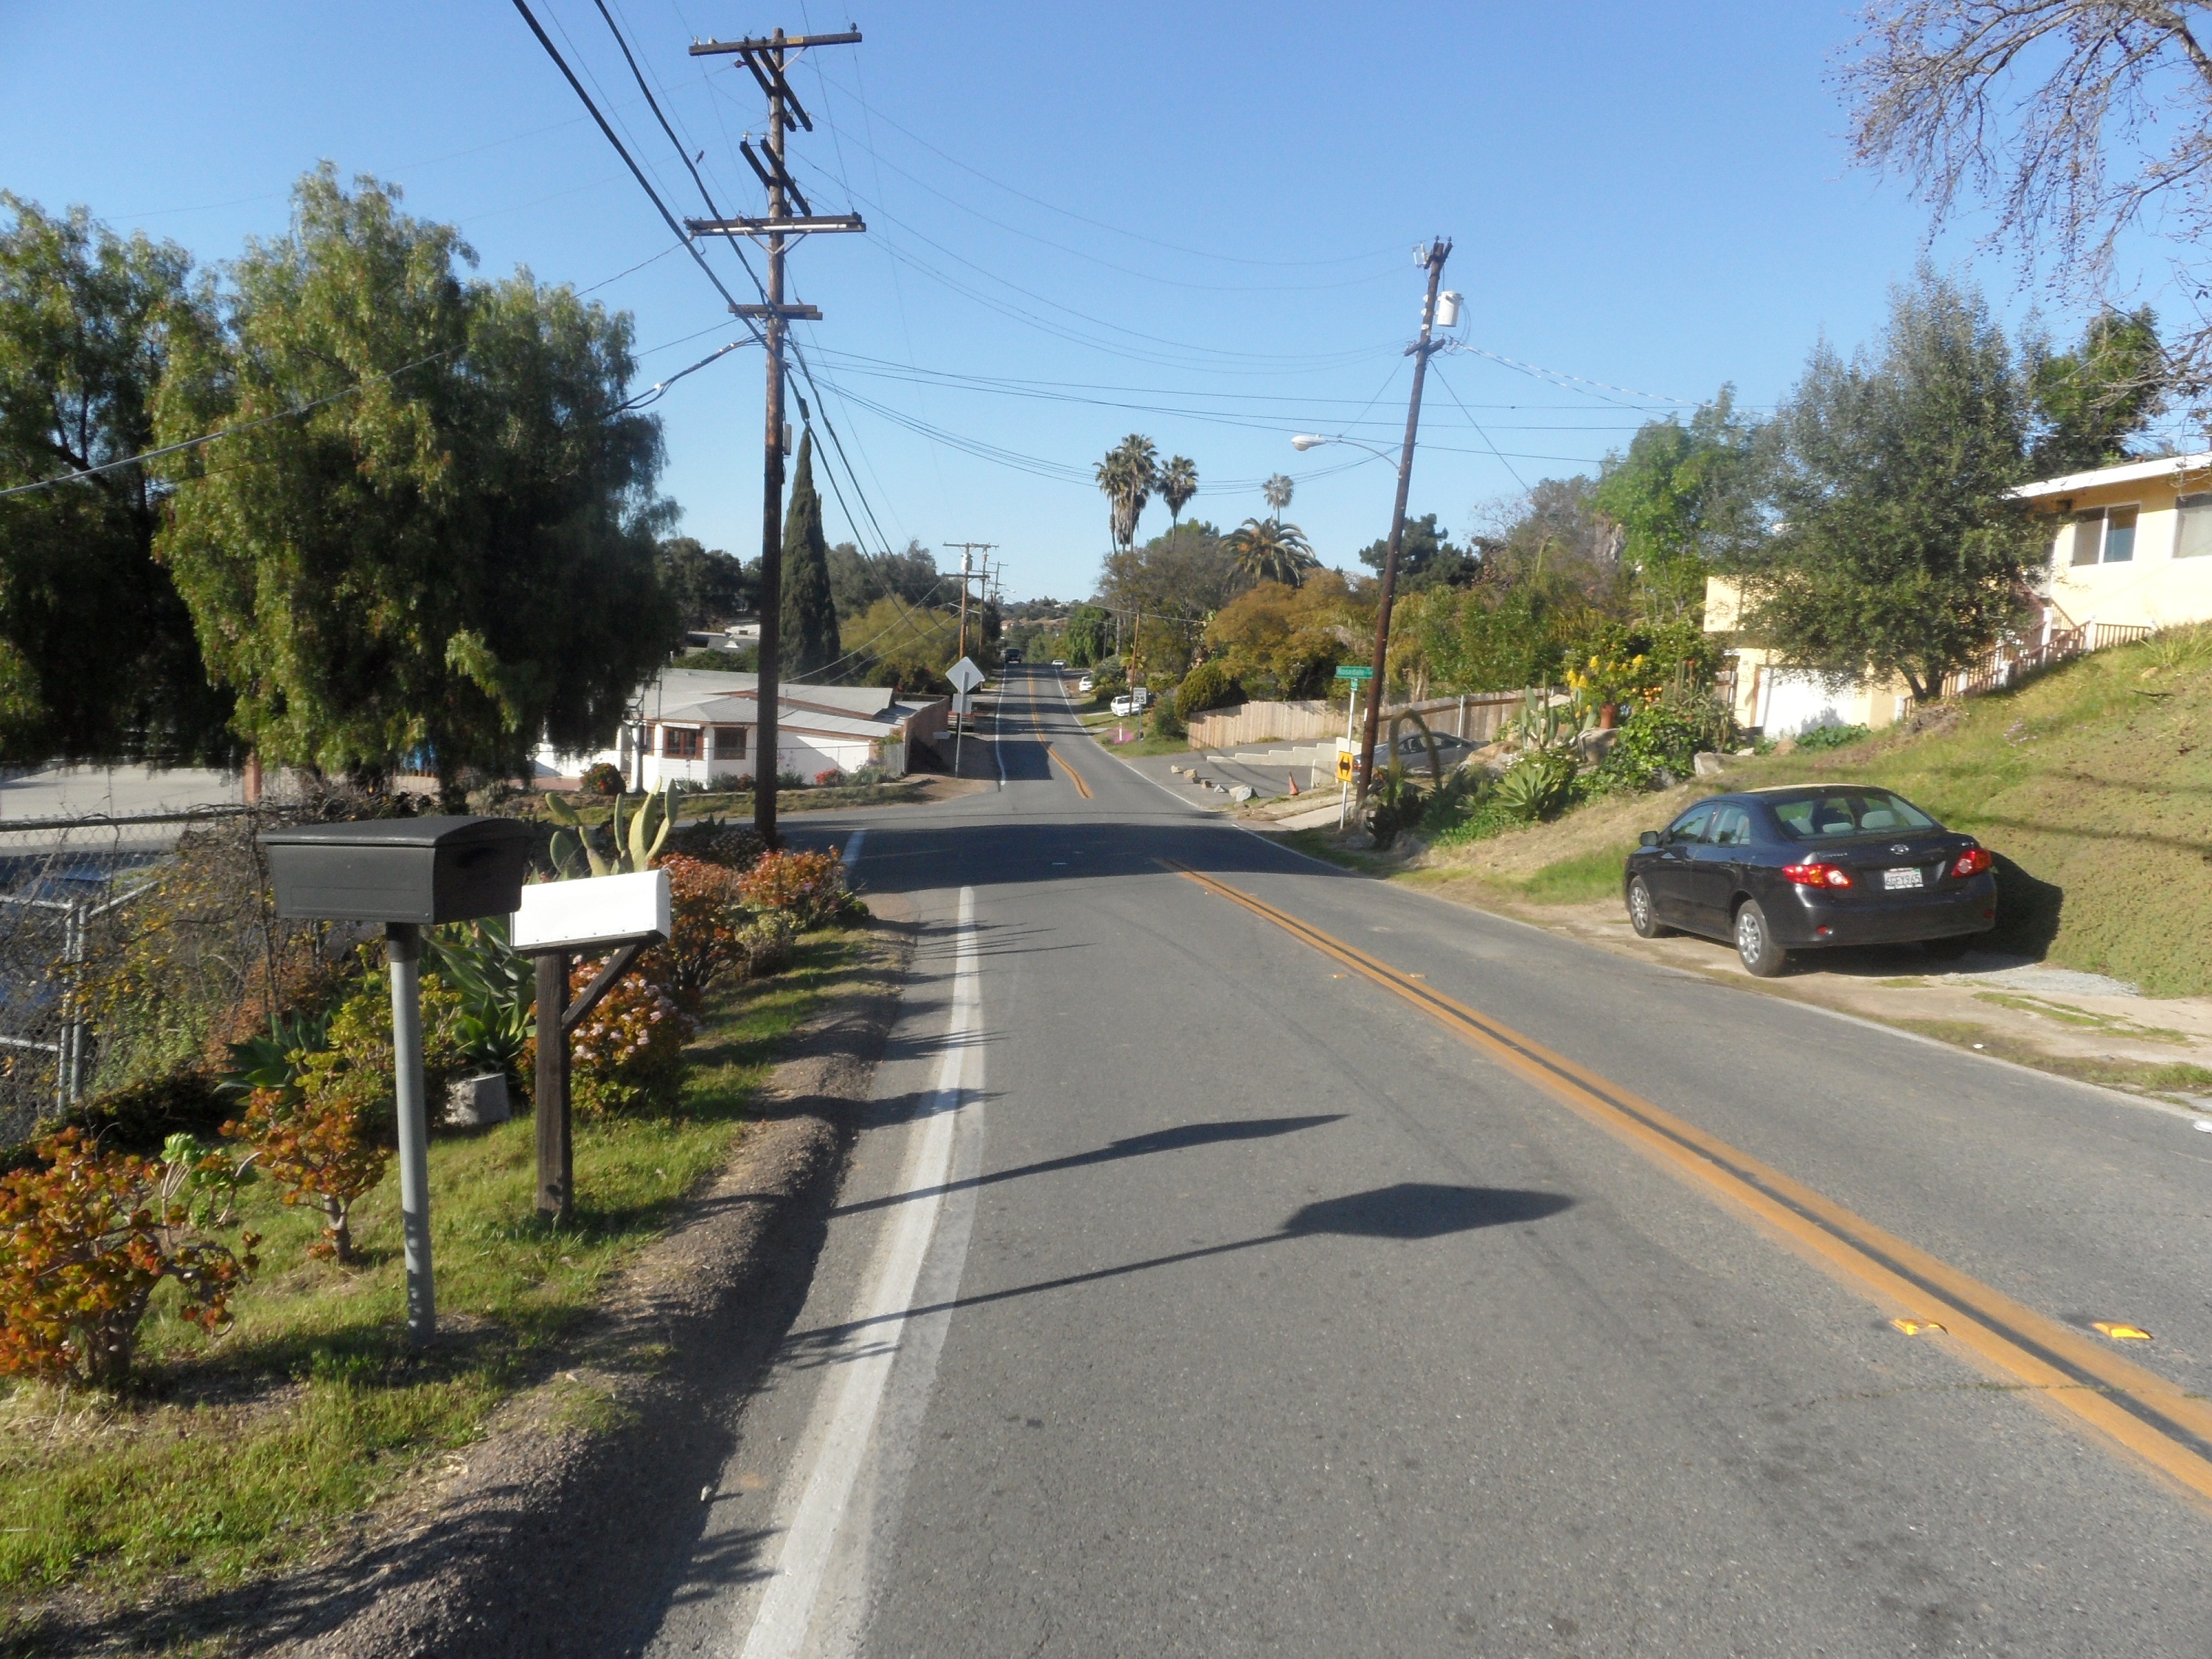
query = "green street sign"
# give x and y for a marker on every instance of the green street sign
(1355, 673)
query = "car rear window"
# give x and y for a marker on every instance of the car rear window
(1844, 812)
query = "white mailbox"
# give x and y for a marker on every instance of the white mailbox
(593, 914)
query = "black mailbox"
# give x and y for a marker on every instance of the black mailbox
(419, 870)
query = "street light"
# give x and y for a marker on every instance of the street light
(1305, 440)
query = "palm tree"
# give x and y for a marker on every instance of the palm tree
(1127, 478)
(1277, 489)
(1269, 550)
(1178, 484)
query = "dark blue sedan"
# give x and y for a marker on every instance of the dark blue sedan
(1804, 867)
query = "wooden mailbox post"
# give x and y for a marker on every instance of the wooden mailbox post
(556, 922)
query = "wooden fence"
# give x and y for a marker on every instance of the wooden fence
(1476, 717)
(2007, 663)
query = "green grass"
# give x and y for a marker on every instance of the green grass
(245, 1454)
(1579, 880)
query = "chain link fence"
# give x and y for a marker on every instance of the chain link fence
(65, 887)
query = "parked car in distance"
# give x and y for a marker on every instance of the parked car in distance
(1060, 662)
(1086, 683)
(1124, 704)
(1412, 751)
(1809, 866)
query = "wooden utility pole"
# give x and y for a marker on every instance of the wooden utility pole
(768, 59)
(968, 573)
(1439, 251)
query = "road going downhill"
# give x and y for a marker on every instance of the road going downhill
(1248, 1258)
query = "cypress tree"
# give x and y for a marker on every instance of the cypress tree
(809, 610)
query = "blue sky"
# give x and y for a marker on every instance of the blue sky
(1193, 222)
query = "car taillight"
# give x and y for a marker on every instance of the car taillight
(1816, 875)
(1971, 862)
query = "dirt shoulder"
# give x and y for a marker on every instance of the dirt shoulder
(545, 1535)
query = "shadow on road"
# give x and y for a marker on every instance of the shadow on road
(1410, 1211)
(1159, 1140)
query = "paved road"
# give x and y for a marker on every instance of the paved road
(1284, 1264)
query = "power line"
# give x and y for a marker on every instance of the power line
(1471, 421)
(636, 172)
(144, 456)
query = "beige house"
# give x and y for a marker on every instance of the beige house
(2132, 545)
(2130, 552)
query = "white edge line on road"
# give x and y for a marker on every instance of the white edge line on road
(786, 1611)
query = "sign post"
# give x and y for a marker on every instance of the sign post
(1346, 764)
(964, 677)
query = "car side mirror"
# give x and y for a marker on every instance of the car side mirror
(1648, 838)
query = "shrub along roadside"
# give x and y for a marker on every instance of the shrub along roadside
(313, 1406)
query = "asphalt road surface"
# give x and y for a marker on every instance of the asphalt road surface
(1251, 1259)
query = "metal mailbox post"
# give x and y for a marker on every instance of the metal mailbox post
(555, 920)
(407, 873)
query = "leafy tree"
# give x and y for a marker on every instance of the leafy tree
(1283, 641)
(810, 611)
(97, 656)
(1090, 635)
(1267, 550)
(1178, 484)
(858, 579)
(453, 550)
(2091, 401)
(1898, 550)
(1686, 498)
(708, 586)
(1427, 557)
(906, 646)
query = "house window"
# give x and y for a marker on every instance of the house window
(729, 743)
(680, 742)
(2089, 536)
(2120, 535)
(2105, 535)
(2192, 535)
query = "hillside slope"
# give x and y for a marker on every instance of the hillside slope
(2093, 784)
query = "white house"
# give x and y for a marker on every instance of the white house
(701, 725)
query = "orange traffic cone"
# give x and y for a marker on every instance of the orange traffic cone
(1293, 778)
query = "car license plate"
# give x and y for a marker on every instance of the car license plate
(1909, 876)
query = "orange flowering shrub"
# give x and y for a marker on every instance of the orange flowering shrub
(809, 886)
(705, 912)
(325, 1137)
(629, 1051)
(829, 777)
(84, 1240)
(322, 1142)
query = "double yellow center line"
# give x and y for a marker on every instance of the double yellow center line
(2156, 1418)
(1075, 776)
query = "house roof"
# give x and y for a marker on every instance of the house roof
(679, 692)
(2074, 484)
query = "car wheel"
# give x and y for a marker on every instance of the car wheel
(1755, 942)
(1642, 915)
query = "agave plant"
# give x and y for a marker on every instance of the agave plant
(270, 1060)
(496, 987)
(574, 853)
(1536, 786)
